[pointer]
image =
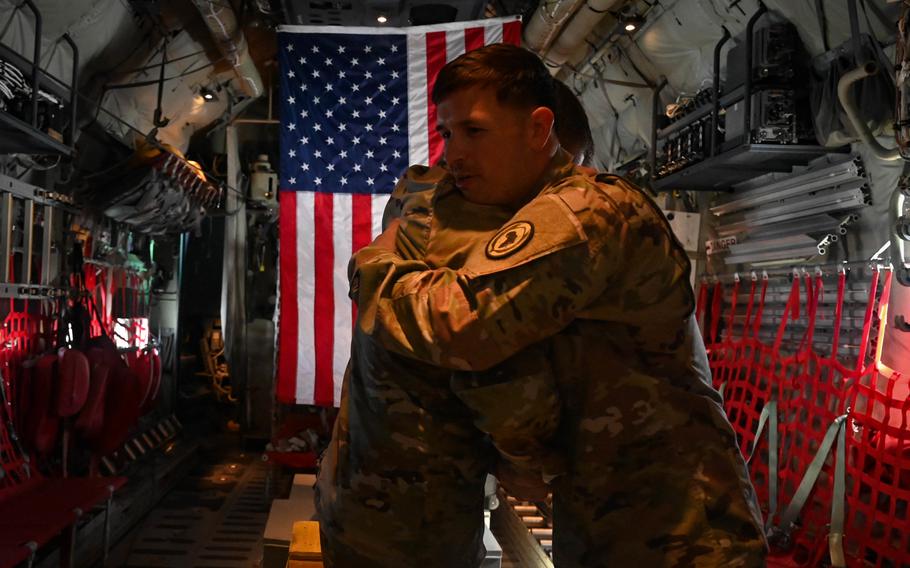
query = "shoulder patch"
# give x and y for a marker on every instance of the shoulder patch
(544, 226)
(510, 239)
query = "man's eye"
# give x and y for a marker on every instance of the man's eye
(445, 135)
(472, 130)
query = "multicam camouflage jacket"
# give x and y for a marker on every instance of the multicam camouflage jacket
(590, 266)
(401, 482)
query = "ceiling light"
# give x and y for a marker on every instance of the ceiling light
(382, 19)
(207, 94)
(632, 23)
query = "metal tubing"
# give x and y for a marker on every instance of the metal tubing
(28, 241)
(794, 185)
(74, 82)
(747, 88)
(6, 235)
(107, 527)
(47, 240)
(845, 95)
(715, 112)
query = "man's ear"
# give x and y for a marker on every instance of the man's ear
(542, 119)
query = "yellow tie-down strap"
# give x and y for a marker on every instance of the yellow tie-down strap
(305, 550)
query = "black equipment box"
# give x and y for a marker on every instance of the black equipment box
(776, 56)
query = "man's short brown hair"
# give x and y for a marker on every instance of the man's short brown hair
(519, 76)
(572, 127)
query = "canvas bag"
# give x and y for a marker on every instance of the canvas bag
(875, 95)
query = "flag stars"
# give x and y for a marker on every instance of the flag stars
(380, 61)
(342, 126)
(368, 100)
(355, 114)
(382, 114)
(304, 141)
(381, 88)
(328, 62)
(342, 74)
(318, 181)
(382, 141)
(395, 128)
(317, 154)
(343, 154)
(302, 61)
(355, 87)
(341, 49)
(342, 100)
(315, 73)
(328, 87)
(368, 127)
(315, 49)
(355, 61)
(315, 100)
(317, 127)
(291, 100)
(304, 113)
(329, 113)
(368, 75)
(290, 48)
(344, 181)
(394, 74)
(305, 167)
(370, 181)
(383, 168)
(292, 153)
(367, 49)
(356, 140)
(292, 126)
(357, 167)
(330, 141)
(369, 154)
(292, 180)
(330, 167)
(394, 49)
(396, 154)
(395, 101)
(303, 86)
(291, 74)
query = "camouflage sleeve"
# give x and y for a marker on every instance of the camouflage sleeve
(529, 282)
(517, 404)
(411, 203)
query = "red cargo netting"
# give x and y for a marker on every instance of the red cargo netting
(793, 388)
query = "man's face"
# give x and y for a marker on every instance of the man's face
(487, 146)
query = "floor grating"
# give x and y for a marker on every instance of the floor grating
(213, 519)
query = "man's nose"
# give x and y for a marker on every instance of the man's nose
(454, 151)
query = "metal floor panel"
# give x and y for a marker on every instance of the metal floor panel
(213, 519)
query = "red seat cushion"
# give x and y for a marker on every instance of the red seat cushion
(73, 382)
(43, 510)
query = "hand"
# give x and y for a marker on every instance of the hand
(526, 486)
(386, 239)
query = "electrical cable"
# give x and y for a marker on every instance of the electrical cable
(166, 79)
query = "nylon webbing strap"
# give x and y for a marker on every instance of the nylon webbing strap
(788, 518)
(822, 23)
(854, 32)
(836, 536)
(768, 417)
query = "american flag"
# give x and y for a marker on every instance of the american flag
(355, 113)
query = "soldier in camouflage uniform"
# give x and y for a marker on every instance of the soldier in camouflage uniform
(589, 265)
(402, 481)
